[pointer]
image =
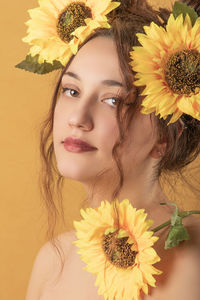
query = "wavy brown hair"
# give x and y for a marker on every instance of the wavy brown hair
(127, 20)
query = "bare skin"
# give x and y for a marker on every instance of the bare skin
(179, 281)
(180, 266)
(85, 109)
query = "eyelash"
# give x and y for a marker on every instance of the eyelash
(69, 89)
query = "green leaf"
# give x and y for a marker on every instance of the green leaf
(175, 218)
(31, 64)
(177, 234)
(181, 8)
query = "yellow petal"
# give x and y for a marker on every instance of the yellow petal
(111, 7)
(177, 114)
(113, 282)
(42, 28)
(149, 62)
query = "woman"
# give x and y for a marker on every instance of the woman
(101, 139)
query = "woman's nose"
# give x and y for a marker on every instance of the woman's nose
(81, 117)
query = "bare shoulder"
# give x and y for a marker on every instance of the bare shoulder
(185, 281)
(192, 223)
(182, 281)
(189, 251)
(47, 262)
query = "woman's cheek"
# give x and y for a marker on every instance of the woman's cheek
(109, 134)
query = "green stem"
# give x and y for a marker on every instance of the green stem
(182, 215)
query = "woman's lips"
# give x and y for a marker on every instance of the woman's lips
(76, 145)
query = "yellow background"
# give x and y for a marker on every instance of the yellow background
(25, 98)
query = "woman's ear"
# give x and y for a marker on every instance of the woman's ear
(158, 150)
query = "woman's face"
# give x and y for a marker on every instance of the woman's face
(86, 110)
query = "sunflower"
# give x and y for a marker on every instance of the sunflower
(168, 65)
(120, 256)
(57, 27)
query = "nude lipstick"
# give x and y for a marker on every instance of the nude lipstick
(76, 145)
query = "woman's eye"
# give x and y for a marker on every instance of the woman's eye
(70, 92)
(112, 101)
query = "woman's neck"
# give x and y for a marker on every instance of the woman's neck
(141, 192)
(147, 196)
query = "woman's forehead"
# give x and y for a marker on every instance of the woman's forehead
(98, 56)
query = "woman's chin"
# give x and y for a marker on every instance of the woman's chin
(76, 173)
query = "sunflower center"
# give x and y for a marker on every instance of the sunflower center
(182, 72)
(118, 251)
(72, 17)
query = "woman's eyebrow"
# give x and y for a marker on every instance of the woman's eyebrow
(108, 82)
(71, 74)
